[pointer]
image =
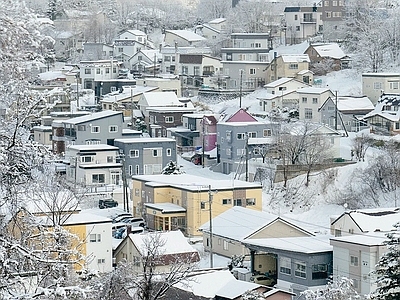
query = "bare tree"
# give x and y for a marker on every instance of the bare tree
(360, 145)
(147, 282)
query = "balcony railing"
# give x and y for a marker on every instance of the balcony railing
(308, 20)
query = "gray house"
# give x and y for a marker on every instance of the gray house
(296, 263)
(233, 133)
(93, 129)
(146, 156)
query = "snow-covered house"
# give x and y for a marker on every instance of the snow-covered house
(168, 249)
(97, 51)
(376, 84)
(287, 65)
(93, 165)
(233, 130)
(281, 94)
(194, 67)
(182, 38)
(348, 114)
(228, 234)
(356, 256)
(145, 61)
(330, 55)
(301, 23)
(301, 262)
(163, 110)
(146, 155)
(213, 29)
(310, 100)
(385, 117)
(181, 201)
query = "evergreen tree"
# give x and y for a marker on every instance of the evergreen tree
(388, 269)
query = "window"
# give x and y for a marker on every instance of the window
(326, 3)
(338, 232)
(156, 152)
(86, 159)
(355, 283)
(98, 178)
(225, 246)
(300, 269)
(252, 134)
(240, 152)
(98, 71)
(88, 71)
(101, 261)
(114, 70)
(202, 205)
(95, 129)
(250, 201)
(267, 132)
(285, 265)
(134, 153)
(94, 238)
(297, 29)
(228, 135)
(226, 201)
(169, 152)
(293, 66)
(237, 202)
(319, 271)
(328, 14)
(169, 119)
(107, 70)
(110, 159)
(315, 100)
(137, 168)
(167, 58)
(113, 128)
(308, 113)
(295, 17)
(240, 136)
(184, 69)
(334, 3)
(120, 49)
(196, 71)
(252, 71)
(394, 85)
(92, 142)
(304, 99)
(228, 152)
(354, 261)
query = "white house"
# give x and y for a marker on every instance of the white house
(182, 38)
(375, 84)
(310, 100)
(93, 165)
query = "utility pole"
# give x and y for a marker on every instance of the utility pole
(203, 143)
(240, 89)
(247, 156)
(336, 110)
(210, 196)
(154, 66)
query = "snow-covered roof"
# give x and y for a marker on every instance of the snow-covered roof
(158, 99)
(206, 284)
(166, 207)
(92, 147)
(362, 240)
(217, 21)
(174, 242)
(354, 103)
(52, 75)
(295, 58)
(235, 288)
(140, 140)
(371, 220)
(312, 90)
(136, 32)
(187, 35)
(172, 108)
(231, 222)
(86, 218)
(307, 245)
(278, 82)
(127, 93)
(386, 100)
(194, 183)
(331, 50)
(93, 116)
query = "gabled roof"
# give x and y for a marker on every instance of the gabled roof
(371, 220)
(174, 242)
(331, 50)
(386, 100)
(295, 58)
(232, 114)
(239, 223)
(350, 103)
(217, 21)
(159, 99)
(187, 35)
(93, 116)
(135, 32)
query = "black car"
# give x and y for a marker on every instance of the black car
(107, 203)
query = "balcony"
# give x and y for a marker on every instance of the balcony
(308, 20)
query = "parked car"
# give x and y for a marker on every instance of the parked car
(107, 203)
(263, 280)
(122, 232)
(134, 221)
(120, 217)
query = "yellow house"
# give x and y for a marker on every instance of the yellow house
(287, 65)
(169, 202)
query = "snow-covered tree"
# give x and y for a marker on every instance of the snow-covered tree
(388, 269)
(172, 168)
(340, 289)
